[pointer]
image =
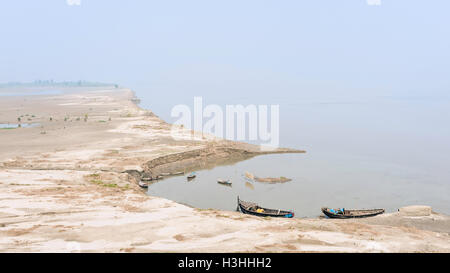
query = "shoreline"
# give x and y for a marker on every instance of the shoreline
(218, 152)
(70, 185)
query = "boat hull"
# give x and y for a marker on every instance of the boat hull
(353, 213)
(280, 213)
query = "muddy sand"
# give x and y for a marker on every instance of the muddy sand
(69, 184)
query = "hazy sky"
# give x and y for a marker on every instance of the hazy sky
(282, 52)
(202, 46)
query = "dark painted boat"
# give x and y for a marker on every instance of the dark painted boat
(224, 182)
(255, 209)
(191, 176)
(351, 213)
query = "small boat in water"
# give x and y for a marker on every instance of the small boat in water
(143, 184)
(254, 209)
(191, 176)
(351, 213)
(224, 182)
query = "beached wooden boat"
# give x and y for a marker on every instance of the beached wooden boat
(143, 184)
(224, 182)
(351, 213)
(254, 209)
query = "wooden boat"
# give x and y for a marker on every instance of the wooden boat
(254, 209)
(224, 182)
(191, 176)
(143, 184)
(351, 213)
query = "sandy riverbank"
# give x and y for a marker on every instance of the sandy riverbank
(63, 188)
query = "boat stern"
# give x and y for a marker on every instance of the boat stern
(291, 214)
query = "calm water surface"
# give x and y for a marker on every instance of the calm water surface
(316, 182)
(378, 152)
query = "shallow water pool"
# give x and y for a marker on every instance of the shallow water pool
(16, 125)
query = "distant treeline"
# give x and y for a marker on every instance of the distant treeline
(50, 83)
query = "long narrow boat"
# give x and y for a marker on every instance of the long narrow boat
(224, 182)
(351, 213)
(254, 209)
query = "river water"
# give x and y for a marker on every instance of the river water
(362, 152)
